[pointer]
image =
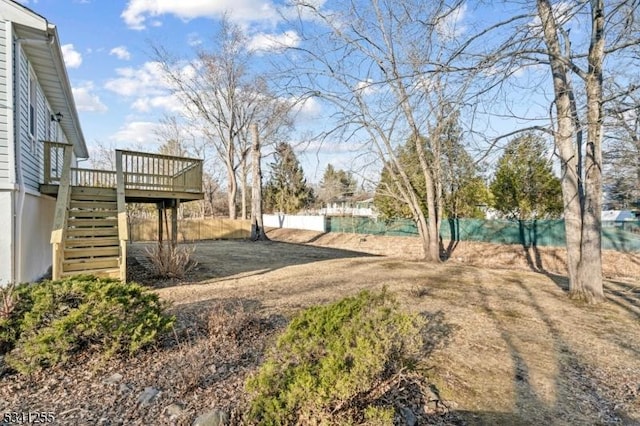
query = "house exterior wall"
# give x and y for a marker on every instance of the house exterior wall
(31, 148)
(5, 102)
(6, 238)
(25, 122)
(25, 251)
(33, 228)
(34, 256)
(6, 136)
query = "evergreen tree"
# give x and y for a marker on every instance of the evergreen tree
(386, 200)
(524, 186)
(286, 190)
(336, 184)
(463, 190)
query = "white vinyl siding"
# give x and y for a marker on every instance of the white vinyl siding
(5, 102)
(31, 149)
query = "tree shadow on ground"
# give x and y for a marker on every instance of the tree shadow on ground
(573, 380)
(620, 293)
(220, 259)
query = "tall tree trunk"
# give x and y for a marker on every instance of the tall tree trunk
(243, 187)
(232, 192)
(257, 228)
(582, 195)
(423, 232)
(590, 267)
(432, 253)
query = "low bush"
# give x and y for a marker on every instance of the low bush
(56, 319)
(334, 361)
(170, 261)
(10, 312)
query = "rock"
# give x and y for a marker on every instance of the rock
(432, 398)
(3, 367)
(113, 379)
(410, 419)
(174, 410)
(148, 395)
(124, 388)
(212, 418)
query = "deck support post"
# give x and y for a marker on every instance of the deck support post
(160, 223)
(174, 222)
(123, 229)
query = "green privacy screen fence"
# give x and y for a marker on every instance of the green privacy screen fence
(621, 236)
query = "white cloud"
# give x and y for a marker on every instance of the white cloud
(451, 25)
(147, 87)
(121, 52)
(366, 87)
(306, 111)
(144, 81)
(169, 103)
(263, 42)
(72, 58)
(137, 132)
(86, 100)
(194, 39)
(137, 12)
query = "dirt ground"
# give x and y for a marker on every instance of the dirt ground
(509, 347)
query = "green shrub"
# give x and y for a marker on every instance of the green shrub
(56, 319)
(332, 361)
(15, 301)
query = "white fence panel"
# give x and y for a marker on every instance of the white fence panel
(311, 223)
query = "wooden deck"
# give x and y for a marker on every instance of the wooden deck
(90, 231)
(148, 178)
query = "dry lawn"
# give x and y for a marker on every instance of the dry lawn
(508, 346)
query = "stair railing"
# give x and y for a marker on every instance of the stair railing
(123, 228)
(58, 234)
(189, 179)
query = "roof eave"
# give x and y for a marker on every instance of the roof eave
(40, 39)
(81, 146)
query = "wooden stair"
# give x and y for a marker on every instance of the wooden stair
(91, 244)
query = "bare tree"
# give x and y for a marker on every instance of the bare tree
(222, 97)
(103, 156)
(381, 65)
(215, 90)
(576, 70)
(257, 228)
(272, 117)
(622, 145)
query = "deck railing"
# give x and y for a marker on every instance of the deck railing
(58, 234)
(54, 161)
(93, 177)
(142, 171)
(161, 172)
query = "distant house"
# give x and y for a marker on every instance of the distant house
(350, 206)
(36, 105)
(618, 216)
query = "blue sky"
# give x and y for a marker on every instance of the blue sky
(119, 92)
